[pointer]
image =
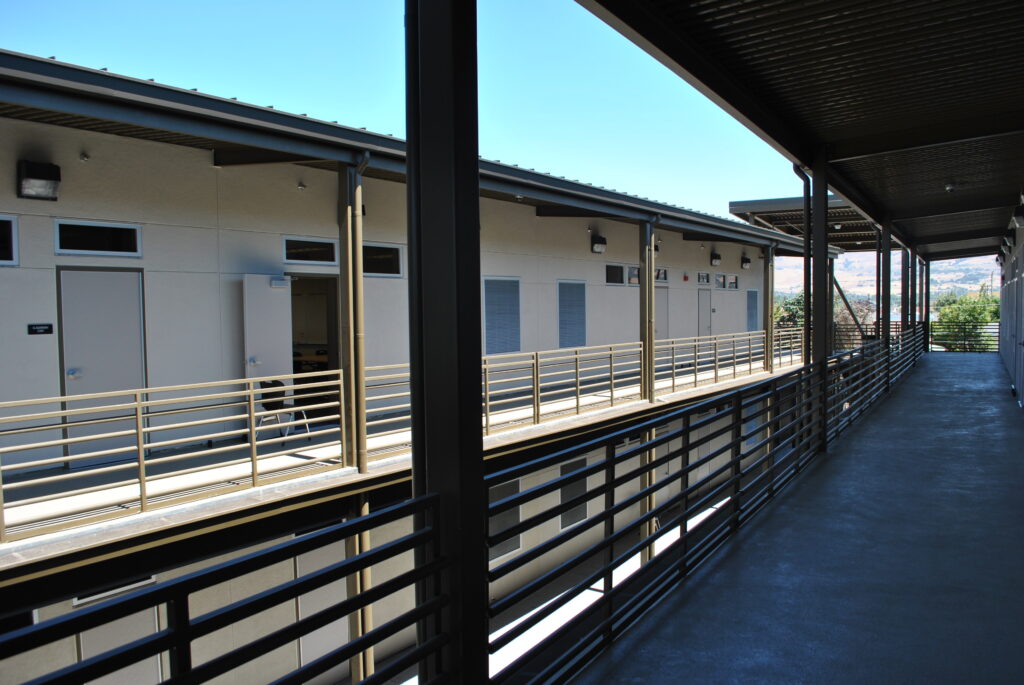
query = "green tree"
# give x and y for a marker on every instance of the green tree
(961, 326)
(789, 311)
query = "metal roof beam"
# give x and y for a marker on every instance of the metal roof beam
(961, 253)
(926, 136)
(961, 236)
(242, 157)
(572, 212)
(968, 202)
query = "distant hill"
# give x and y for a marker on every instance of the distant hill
(856, 274)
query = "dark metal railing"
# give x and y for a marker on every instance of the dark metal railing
(651, 501)
(951, 336)
(175, 640)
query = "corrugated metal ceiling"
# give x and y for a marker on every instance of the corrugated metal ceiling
(904, 98)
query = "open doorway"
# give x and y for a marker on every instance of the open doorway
(314, 328)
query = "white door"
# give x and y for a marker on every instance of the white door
(267, 313)
(703, 312)
(102, 341)
(661, 314)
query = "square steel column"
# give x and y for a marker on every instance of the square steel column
(820, 277)
(926, 316)
(913, 287)
(886, 297)
(820, 267)
(444, 316)
(768, 308)
(647, 310)
(904, 288)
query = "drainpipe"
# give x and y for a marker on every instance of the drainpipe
(802, 175)
(358, 319)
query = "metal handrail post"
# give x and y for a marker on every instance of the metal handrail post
(140, 451)
(536, 387)
(611, 374)
(576, 359)
(487, 398)
(716, 359)
(253, 456)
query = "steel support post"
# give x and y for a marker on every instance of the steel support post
(878, 284)
(886, 298)
(360, 622)
(832, 305)
(820, 287)
(647, 309)
(806, 352)
(768, 308)
(904, 288)
(444, 315)
(926, 316)
(913, 288)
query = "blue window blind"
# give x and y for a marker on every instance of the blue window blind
(501, 315)
(752, 314)
(572, 314)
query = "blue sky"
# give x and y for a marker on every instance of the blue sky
(560, 91)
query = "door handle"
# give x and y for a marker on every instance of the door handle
(74, 374)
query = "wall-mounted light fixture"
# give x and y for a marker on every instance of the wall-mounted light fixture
(744, 262)
(598, 244)
(38, 180)
(301, 185)
(716, 258)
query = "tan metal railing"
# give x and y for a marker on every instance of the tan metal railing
(688, 362)
(83, 458)
(788, 345)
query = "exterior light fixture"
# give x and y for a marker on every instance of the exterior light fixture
(744, 262)
(38, 180)
(84, 157)
(301, 185)
(598, 244)
(716, 258)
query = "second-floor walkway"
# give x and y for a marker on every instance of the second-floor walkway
(896, 558)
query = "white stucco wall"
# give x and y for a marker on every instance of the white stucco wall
(203, 228)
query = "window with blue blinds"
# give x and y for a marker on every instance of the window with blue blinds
(572, 314)
(752, 313)
(501, 315)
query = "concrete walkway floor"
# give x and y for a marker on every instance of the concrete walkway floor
(896, 558)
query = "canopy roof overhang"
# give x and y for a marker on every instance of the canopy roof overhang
(915, 108)
(236, 133)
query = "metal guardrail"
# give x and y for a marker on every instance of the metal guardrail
(124, 452)
(963, 337)
(181, 628)
(663, 494)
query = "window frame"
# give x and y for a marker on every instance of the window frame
(401, 260)
(58, 250)
(624, 274)
(309, 239)
(483, 311)
(14, 260)
(732, 282)
(558, 310)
